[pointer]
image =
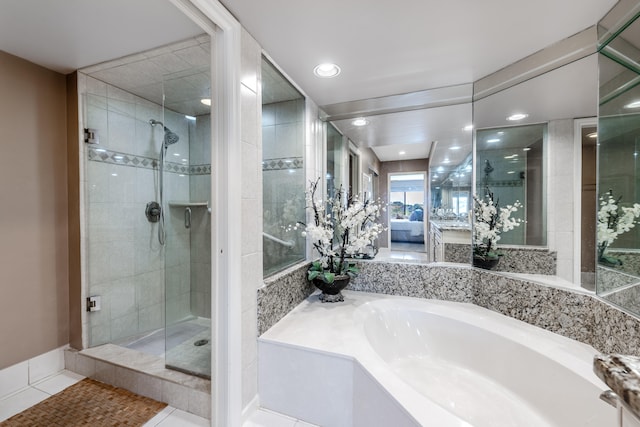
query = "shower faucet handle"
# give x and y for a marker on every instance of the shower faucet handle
(153, 211)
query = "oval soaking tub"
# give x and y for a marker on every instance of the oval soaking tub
(487, 369)
(381, 360)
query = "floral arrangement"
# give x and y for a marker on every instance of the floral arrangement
(342, 227)
(613, 220)
(490, 221)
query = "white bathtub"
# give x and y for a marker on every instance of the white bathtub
(384, 360)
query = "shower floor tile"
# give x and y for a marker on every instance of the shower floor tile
(154, 343)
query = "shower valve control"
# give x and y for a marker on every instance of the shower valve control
(153, 211)
(93, 303)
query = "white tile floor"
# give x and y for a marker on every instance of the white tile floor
(266, 418)
(169, 417)
(27, 397)
(384, 254)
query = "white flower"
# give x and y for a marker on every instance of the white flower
(339, 229)
(614, 220)
(490, 222)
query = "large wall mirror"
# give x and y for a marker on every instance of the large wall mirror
(434, 140)
(525, 150)
(618, 235)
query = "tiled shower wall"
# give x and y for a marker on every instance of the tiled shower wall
(125, 262)
(200, 191)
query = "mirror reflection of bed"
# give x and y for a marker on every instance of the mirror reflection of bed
(406, 212)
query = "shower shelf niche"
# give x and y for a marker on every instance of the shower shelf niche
(188, 204)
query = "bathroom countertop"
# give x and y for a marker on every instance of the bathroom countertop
(451, 225)
(622, 374)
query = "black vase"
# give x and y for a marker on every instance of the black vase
(485, 263)
(331, 291)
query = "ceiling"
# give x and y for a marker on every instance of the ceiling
(383, 48)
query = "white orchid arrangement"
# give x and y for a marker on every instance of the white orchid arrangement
(613, 220)
(490, 221)
(342, 227)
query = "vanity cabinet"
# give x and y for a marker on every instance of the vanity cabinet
(445, 237)
(436, 248)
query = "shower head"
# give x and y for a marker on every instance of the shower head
(170, 137)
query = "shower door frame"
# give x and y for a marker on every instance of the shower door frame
(226, 187)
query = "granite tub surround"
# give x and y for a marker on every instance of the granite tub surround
(630, 259)
(281, 293)
(626, 296)
(544, 301)
(566, 312)
(527, 260)
(442, 281)
(457, 252)
(610, 279)
(622, 375)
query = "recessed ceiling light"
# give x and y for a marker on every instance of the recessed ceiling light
(176, 154)
(402, 153)
(493, 140)
(634, 104)
(326, 70)
(360, 122)
(193, 119)
(510, 172)
(468, 128)
(445, 161)
(206, 101)
(455, 147)
(519, 116)
(592, 135)
(526, 149)
(440, 169)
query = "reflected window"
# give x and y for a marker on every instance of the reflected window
(510, 164)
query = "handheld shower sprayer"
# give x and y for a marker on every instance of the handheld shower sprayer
(170, 138)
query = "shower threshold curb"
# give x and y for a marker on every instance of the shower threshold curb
(143, 374)
(146, 364)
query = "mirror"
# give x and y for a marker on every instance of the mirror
(420, 140)
(618, 237)
(525, 151)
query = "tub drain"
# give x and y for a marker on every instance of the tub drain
(200, 343)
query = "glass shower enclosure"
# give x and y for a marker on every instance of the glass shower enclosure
(147, 169)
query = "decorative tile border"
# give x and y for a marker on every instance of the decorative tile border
(284, 163)
(574, 314)
(123, 159)
(200, 170)
(507, 183)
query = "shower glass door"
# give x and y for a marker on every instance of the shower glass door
(186, 196)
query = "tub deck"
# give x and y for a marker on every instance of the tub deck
(319, 364)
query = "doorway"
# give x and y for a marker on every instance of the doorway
(406, 211)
